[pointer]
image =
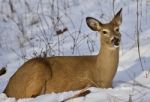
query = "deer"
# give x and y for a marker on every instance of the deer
(42, 75)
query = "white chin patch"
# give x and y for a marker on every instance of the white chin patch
(115, 46)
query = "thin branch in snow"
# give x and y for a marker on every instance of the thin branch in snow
(138, 36)
(11, 7)
(82, 93)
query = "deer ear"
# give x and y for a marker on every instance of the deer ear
(93, 23)
(118, 17)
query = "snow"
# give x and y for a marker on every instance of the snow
(21, 39)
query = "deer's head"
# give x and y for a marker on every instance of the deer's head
(110, 35)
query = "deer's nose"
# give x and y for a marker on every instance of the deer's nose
(115, 41)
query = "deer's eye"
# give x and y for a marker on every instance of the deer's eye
(117, 29)
(104, 32)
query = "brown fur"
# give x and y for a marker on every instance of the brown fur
(63, 73)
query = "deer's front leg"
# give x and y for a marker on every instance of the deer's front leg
(104, 84)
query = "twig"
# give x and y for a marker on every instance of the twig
(11, 7)
(130, 98)
(136, 83)
(82, 93)
(2, 71)
(138, 37)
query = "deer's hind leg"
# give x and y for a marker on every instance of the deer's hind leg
(37, 83)
(35, 88)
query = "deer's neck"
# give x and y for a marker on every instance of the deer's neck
(108, 56)
(107, 63)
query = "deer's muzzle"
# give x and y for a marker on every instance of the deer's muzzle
(115, 41)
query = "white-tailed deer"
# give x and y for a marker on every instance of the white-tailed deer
(63, 73)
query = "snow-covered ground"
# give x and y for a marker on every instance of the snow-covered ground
(29, 29)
